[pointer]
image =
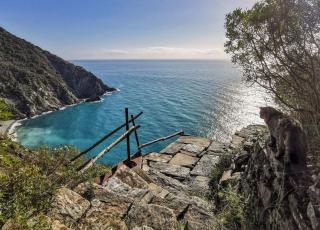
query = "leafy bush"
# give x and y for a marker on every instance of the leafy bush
(29, 180)
(5, 112)
(233, 208)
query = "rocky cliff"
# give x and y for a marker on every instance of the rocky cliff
(33, 81)
(195, 183)
(178, 188)
(275, 198)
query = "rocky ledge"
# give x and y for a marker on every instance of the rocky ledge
(171, 190)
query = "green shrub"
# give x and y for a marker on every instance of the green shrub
(232, 210)
(29, 180)
(5, 112)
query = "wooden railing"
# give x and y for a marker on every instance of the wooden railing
(126, 135)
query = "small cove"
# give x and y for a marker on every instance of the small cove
(205, 98)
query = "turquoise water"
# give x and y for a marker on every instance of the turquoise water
(205, 98)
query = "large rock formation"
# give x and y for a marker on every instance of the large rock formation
(33, 81)
(277, 198)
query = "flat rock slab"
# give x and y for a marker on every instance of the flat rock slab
(130, 178)
(236, 141)
(69, 203)
(175, 171)
(217, 147)
(205, 165)
(157, 157)
(200, 185)
(200, 141)
(103, 217)
(190, 153)
(183, 160)
(193, 148)
(151, 215)
(197, 214)
(119, 187)
(167, 182)
(173, 148)
(172, 202)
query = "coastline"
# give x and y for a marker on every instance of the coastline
(9, 127)
(5, 126)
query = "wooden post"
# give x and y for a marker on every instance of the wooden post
(128, 136)
(136, 136)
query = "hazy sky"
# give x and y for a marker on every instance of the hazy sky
(122, 29)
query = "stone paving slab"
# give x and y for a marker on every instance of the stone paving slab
(172, 148)
(200, 141)
(205, 165)
(183, 160)
(158, 157)
(200, 184)
(190, 153)
(193, 148)
(217, 147)
(175, 171)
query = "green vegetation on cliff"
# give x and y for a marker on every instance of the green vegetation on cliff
(5, 111)
(29, 180)
(34, 81)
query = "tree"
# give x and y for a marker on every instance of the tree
(277, 43)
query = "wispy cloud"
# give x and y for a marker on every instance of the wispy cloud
(155, 52)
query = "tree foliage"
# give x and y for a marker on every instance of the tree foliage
(277, 43)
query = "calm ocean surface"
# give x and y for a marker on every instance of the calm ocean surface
(205, 98)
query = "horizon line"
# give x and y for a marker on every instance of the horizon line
(149, 59)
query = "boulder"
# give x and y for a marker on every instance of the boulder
(68, 203)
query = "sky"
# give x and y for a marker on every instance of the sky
(122, 29)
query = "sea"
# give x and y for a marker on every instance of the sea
(205, 98)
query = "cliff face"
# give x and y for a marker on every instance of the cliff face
(33, 81)
(276, 198)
